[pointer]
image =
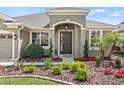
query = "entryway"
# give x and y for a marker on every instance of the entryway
(65, 43)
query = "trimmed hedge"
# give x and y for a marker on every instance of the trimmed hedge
(33, 50)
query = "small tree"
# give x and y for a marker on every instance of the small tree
(113, 39)
(50, 48)
(86, 49)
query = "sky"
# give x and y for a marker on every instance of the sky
(111, 15)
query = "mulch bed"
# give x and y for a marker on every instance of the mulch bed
(40, 59)
(96, 77)
(85, 59)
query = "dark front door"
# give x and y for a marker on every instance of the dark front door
(65, 42)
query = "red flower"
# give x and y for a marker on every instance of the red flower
(108, 71)
(119, 73)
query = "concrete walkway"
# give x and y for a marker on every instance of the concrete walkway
(68, 59)
(8, 62)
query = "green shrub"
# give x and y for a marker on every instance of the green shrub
(50, 48)
(86, 49)
(66, 65)
(47, 63)
(118, 63)
(78, 64)
(33, 50)
(98, 60)
(56, 70)
(29, 69)
(82, 73)
(18, 64)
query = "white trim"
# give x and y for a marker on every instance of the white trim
(66, 11)
(13, 45)
(30, 38)
(5, 32)
(5, 17)
(59, 43)
(12, 23)
(67, 21)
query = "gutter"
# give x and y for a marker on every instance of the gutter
(18, 32)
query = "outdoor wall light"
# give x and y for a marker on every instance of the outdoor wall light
(66, 27)
(15, 36)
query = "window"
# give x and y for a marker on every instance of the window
(94, 38)
(44, 39)
(41, 38)
(2, 36)
(9, 36)
(36, 38)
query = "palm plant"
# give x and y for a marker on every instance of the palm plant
(112, 39)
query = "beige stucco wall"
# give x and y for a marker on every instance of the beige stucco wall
(2, 26)
(58, 18)
(24, 40)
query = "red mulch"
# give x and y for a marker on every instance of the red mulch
(85, 59)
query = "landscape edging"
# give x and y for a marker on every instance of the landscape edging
(40, 77)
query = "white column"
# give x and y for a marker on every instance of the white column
(52, 36)
(89, 38)
(13, 44)
(101, 34)
(18, 39)
(30, 38)
(82, 39)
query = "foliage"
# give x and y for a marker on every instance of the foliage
(50, 48)
(86, 49)
(56, 70)
(119, 73)
(118, 63)
(29, 69)
(47, 63)
(78, 64)
(98, 60)
(112, 39)
(18, 64)
(66, 65)
(33, 50)
(108, 70)
(82, 73)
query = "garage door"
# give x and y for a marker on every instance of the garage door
(5, 46)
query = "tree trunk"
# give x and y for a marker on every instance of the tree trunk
(112, 49)
(102, 54)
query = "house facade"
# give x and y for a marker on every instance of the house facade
(67, 27)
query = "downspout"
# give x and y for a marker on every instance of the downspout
(18, 37)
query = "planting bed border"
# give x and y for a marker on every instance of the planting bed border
(39, 77)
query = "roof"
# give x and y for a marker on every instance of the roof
(6, 18)
(34, 20)
(42, 21)
(96, 24)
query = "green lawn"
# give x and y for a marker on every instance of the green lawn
(26, 81)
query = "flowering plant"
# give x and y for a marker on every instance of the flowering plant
(119, 73)
(2, 68)
(108, 70)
